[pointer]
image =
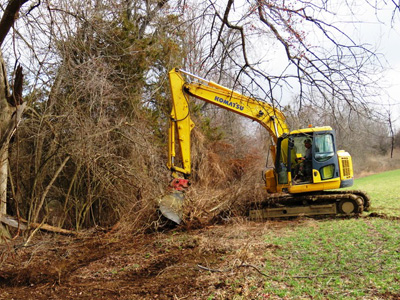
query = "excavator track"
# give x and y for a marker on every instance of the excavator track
(365, 197)
(312, 204)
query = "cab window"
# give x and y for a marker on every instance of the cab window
(324, 149)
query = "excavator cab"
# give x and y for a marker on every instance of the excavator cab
(307, 160)
(307, 173)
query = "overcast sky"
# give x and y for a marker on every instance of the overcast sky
(381, 30)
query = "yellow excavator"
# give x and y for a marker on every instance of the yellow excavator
(308, 168)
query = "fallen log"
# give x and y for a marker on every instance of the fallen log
(23, 225)
(13, 222)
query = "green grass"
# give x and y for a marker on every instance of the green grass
(356, 258)
(384, 190)
(336, 259)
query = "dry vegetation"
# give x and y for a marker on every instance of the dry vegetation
(378, 163)
(171, 265)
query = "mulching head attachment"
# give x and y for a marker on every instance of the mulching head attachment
(171, 205)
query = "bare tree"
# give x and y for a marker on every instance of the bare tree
(11, 105)
(319, 56)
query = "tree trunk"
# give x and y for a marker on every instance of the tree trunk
(11, 109)
(3, 190)
(9, 16)
(11, 105)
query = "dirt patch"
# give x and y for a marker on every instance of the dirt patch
(172, 265)
(382, 216)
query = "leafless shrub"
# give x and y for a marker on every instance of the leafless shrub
(93, 147)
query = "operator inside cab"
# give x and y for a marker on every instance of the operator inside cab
(303, 168)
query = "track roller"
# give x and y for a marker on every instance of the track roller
(365, 198)
(352, 204)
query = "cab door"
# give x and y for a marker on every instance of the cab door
(325, 160)
(286, 155)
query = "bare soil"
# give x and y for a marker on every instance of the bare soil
(176, 264)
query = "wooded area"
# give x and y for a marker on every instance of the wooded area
(85, 103)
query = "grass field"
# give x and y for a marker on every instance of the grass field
(384, 189)
(355, 258)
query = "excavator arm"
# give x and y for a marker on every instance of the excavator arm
(181, 124)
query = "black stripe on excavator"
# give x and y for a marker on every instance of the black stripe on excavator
(347, 183)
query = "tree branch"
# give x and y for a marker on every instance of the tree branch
(10, 15)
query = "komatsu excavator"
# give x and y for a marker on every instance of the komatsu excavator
(308, 168)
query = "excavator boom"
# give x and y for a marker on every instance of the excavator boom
(181, 125)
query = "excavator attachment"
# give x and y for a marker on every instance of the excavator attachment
(171, 205)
